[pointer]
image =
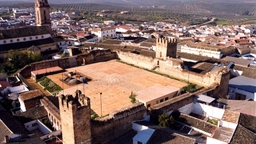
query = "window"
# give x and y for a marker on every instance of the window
(157, 102)
(4, 41)
(36, 37)
(18, 40)
(42, 36)
(166, 98)
(24, 39)
(148, 105)
(161, 100)
(11, 41)
(30, 38)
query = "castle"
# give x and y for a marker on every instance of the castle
(74, 110)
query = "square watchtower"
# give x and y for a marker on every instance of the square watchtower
(166, 47)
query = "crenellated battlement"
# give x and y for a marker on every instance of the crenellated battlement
(166, 47)
(166, 41)
(76, 101)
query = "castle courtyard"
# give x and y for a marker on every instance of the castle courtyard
(112, 83)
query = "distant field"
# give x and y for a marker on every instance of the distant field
(222, 22)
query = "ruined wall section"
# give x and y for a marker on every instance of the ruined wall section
(136, 59)
(117, 123)
(92, 57)
(95, 56)
(172, 67)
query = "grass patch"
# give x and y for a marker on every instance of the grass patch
(49, 85)
(94, 115)
(222, 22)
(191, 88)
(212, 121)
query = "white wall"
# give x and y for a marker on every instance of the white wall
(25, 39)
(43, 128)
(214, 141)
(228, 124)
(29, 125)
(201, 51)
(138, 127)
(22, 105)
(206, 110)
(187, 109)
(249, 95)
(36, 124)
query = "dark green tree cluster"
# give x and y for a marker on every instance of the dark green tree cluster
(166, 120)
(15, 60)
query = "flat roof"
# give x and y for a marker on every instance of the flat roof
(243, 83)
(116, 81)
(205, 98)
(47, 70)
(231, 116)
(30, 94)
(155, 92)
(242, 106)
(238, 61)
(144, 135)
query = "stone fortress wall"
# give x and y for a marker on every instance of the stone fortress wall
(119, 122)
(77, 126)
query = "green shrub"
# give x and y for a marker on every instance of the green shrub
(133, 97)
(190, 88)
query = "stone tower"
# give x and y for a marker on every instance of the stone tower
(75, 118)
(42, 9)
(166, 47)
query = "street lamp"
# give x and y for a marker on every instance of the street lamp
(100, 105)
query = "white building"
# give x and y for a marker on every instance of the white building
(241, 88)
(104, 32)
(109, 23)
(212, 53)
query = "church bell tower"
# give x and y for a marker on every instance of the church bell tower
(42, 9)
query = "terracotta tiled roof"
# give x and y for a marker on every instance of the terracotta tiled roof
(32, 114)
(23, 32)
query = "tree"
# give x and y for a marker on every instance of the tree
(166, 120)
(15, 60)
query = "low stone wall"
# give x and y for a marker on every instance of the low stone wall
(171, 104)
(117, 123)
(197, 123)
(25, 82)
